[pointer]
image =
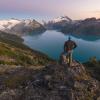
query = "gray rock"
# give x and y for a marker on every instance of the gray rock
(54, 82)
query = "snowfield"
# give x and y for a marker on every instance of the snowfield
(19, 27)
(8, 24)
(61, 18)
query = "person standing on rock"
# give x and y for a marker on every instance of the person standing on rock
(69, 46)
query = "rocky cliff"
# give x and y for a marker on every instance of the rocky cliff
(54, 82)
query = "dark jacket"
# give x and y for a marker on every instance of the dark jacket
(69, 45)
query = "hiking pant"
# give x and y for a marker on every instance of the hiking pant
(70, 57)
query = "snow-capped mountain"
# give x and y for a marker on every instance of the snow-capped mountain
(58, 22)
(8, 24)
(61, 18)
(16, 26)
(66, 25)
(86, 26)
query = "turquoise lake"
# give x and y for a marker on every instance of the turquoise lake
(51, 43)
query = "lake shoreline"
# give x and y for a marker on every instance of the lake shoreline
(51, 43)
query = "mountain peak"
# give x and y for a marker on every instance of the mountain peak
(62, 18)
(19, 26)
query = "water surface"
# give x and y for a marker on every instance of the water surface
(51, 43)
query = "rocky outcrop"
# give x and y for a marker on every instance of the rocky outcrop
(54, 82)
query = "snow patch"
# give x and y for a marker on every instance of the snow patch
(62, 18)
(8, 24)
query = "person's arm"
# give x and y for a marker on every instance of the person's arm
(64, 47)
(75, 45)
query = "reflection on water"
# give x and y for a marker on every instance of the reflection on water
(37, 33)
(87, 37)
(51, 43)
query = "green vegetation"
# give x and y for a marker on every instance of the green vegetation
(93, 67)
(14, 52)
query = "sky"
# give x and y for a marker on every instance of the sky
(49, 9)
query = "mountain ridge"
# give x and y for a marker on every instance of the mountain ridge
(20, 27)
(85, 26)
(61, 18)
